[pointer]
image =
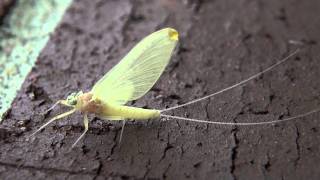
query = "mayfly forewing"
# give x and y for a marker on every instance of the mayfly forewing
(138, 71)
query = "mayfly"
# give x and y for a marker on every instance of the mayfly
(133, 77)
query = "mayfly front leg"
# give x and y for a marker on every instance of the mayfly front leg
(53, 119)
(62, 102)
(86, 127)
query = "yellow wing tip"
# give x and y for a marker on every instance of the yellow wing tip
(173, 34)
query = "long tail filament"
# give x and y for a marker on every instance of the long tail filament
(237, 84)
(239, 123)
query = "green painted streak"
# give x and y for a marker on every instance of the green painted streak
(23, 35)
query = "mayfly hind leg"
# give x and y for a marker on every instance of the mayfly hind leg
(86, 127)
(116, 118)
(53, 119)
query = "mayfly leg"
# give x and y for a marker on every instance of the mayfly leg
(86, 127)
(53, 119)
(63, 102)
(122, 129)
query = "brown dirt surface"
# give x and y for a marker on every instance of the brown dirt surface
(222, 42)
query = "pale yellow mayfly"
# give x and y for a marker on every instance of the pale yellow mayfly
(133, 77)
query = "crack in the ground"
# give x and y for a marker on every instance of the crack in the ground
(147, 169)
(166, 149)
(115, 143)
(98, 170)
(207, 114)
(267, 165)
(164, 175)
(297, 146)
(197, 5)
(45, 169)
(234, 151)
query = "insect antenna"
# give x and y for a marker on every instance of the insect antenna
(235, 85)
(239, 123)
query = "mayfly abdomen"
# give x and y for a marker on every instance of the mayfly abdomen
(127, 112)
(139, 113)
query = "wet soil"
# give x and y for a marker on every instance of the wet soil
(222, 42)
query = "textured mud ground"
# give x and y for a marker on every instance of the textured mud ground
(222, 42)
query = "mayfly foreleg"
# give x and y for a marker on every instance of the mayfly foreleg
(53, 119)
(86, 127)
(63, 102)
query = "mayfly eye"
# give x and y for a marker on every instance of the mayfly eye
(72, 99)
(73, 102)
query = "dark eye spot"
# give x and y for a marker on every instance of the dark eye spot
(73, 102)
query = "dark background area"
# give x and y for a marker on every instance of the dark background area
(222, 42)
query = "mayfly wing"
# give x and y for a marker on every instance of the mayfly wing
(139, 70)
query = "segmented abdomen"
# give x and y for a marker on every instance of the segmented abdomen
(127, 112)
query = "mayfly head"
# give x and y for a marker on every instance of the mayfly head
(72, 99)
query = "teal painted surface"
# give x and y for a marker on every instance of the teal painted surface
(23, 35)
